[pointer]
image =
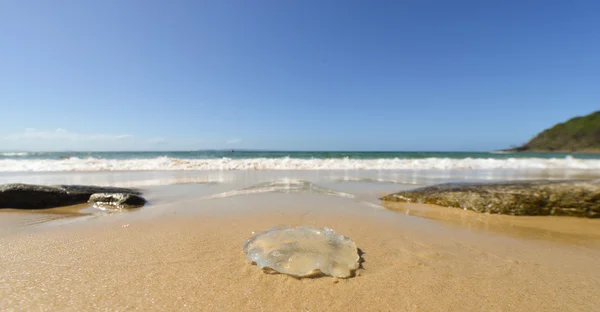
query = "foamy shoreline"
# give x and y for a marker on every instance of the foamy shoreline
(169, 163)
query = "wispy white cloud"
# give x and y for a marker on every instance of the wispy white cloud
(233, 141)
(61, 134)
(124, 137)
(61, 139)
(158, 140)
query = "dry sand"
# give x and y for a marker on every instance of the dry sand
(187, 255)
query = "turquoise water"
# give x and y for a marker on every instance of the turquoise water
(284, 154)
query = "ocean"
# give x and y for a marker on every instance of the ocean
(289, 160)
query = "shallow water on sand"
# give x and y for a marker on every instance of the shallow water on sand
(184, 250)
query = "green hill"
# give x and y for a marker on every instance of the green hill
(579, 134)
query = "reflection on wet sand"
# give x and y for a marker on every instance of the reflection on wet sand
(283, 186)
(15, 219)
(561, 229)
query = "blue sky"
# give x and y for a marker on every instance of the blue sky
(293, 75)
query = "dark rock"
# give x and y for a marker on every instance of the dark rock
(523, 198)
(26, 196)
(117, 200)
(87, 189)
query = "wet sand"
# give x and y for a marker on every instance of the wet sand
(570, 230)
(185, 253)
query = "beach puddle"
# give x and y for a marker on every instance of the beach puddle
(371, 180)
(303, 252)
(282, 186)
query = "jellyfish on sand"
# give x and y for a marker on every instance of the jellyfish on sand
(303, 251)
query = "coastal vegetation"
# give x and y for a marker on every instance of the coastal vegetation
(579, 134)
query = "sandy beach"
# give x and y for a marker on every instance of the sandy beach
(299, 156)
(184, 252)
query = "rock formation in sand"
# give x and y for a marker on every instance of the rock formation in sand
(116, 200)
(521, 198)
(26, 196)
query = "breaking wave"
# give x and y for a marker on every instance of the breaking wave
(169, 163)
(14, 154)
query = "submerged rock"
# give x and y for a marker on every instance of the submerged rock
(116, 200)
(522, 198)
(27, 196)
(303, 251)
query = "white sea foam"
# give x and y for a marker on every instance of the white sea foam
(14, 154)
(167, 163)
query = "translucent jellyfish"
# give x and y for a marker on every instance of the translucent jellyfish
(303, 251)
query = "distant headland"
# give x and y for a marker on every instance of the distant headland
(579, 134)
